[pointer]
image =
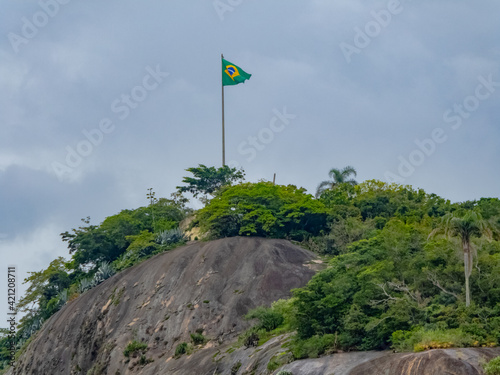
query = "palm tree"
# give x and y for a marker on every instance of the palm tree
(338, 176)
(465, 227)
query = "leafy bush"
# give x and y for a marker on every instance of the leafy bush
(91, 244)
(262, 209)
(198, 338)
(312, 347)
(209, 180)
(493, 367)
(268, 318)
(63, 297)
(135, 347)
(284, 372)
(105, 271)
(235, 368)
(422, 339)
(170, 236)
(86, 284)
(183, 348)
(249, 338)
(273, 364)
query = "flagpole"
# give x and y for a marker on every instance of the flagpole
(223, 135)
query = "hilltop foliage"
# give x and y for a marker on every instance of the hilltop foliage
(209, 180)
(262, 209)
(389, 283)
(97, 252)
(396, 275)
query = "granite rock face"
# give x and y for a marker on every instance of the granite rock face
(433, 362)
(206, 286)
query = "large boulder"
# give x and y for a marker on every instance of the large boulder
(206, 286)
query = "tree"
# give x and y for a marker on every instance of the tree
(152, 200)
(465, 227)
(93, 244)
(45, 285)
(263, 209)
(209, 180)
(338, 176)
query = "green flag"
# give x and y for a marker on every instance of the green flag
(232, 74)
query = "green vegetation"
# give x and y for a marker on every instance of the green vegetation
(273, 364)
(420, 339)
(338, 176)
(277, 319)
(395, 275)
(312, 347)
(493, 367)
(405, 269)
(235, 368)
(262, 209)
(97, 252)
(465, 227)
(116, 297)
(278, 360)
(135, 348)
(198, 338)
(183, 348)
(209, 180)
(144, 360)
(268, 318)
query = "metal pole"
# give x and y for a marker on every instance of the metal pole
(223, 132)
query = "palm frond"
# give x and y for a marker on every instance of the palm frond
(349, 170)
(322, 187)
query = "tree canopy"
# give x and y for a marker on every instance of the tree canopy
(338, 176)
(262, 209)
(392, 279)
(208, 180)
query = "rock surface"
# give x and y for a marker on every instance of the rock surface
(204, 285)
(208, 286)
(433, 362)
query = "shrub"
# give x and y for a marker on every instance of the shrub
(144, 360)
(198, 338)
(183, 348)
(235, 368)
(250, 338)
(421, 339)
(104, 272)
(268, 318)
(85, 284)
(63, 297)
(134, 347)
(170, 236)
(262, 209)
(493, 367)
(284, 372)
(273, 364)
(312, 347)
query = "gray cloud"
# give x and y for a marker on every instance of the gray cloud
(365, 113)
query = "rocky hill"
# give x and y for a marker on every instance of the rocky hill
(206, 287)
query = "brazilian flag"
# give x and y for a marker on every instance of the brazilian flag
(232, 74)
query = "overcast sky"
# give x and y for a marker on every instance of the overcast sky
(102, 100)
